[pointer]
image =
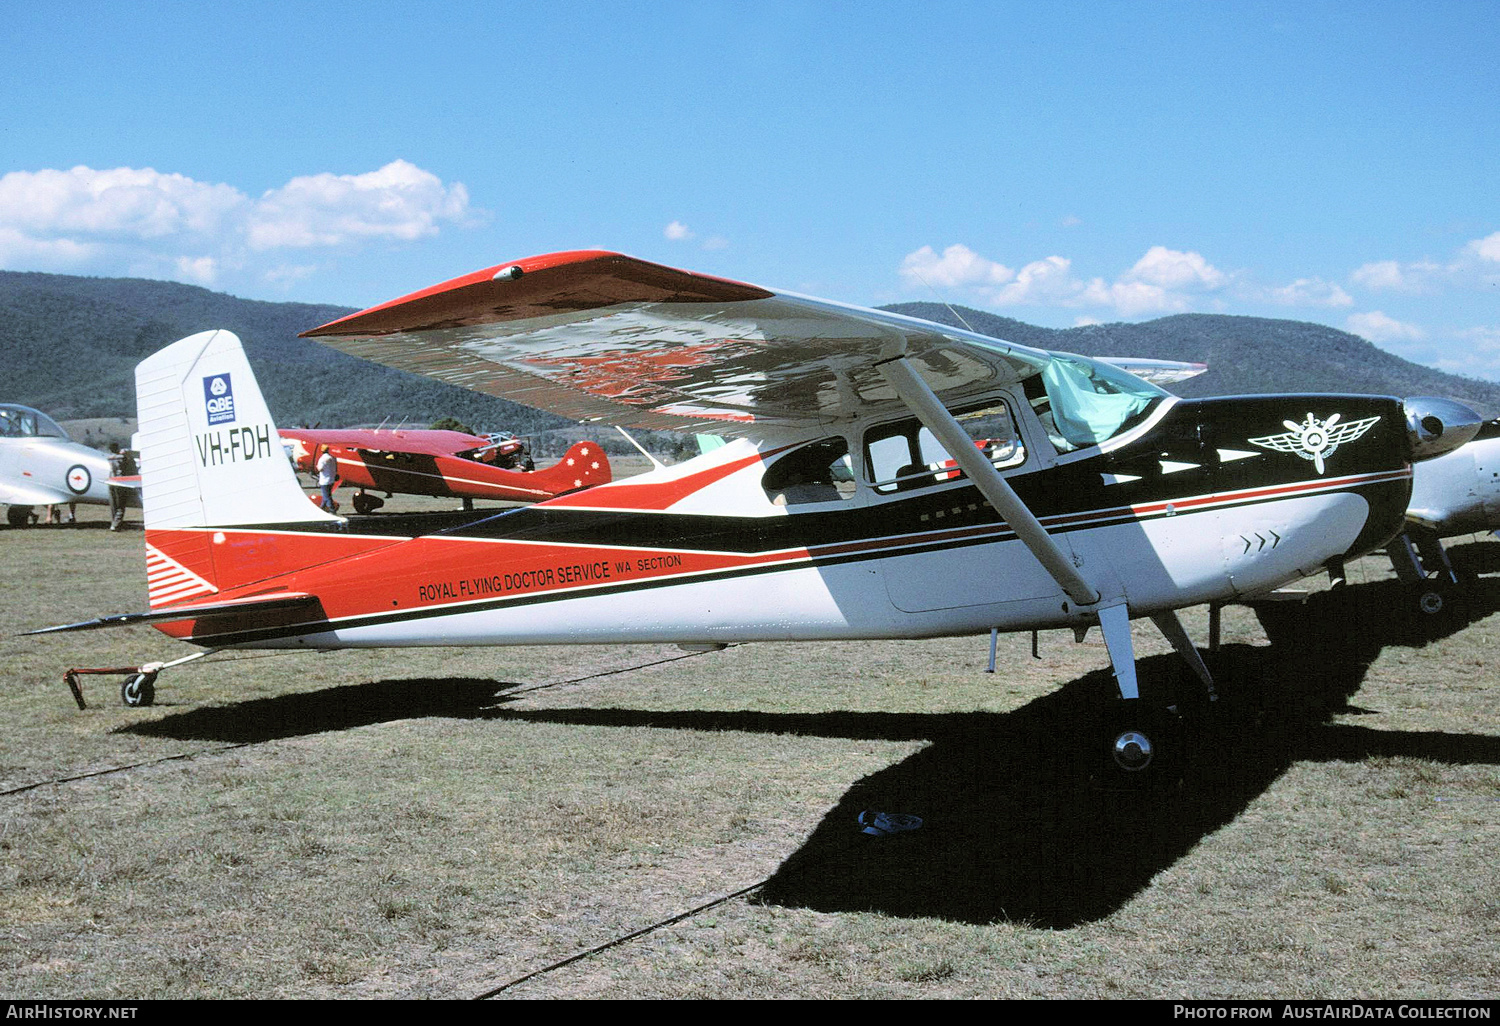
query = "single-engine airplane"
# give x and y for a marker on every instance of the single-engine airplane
(1082, 495)
(41, 466)
(443, 463)
(1455, 494)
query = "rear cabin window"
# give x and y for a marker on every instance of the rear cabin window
(820, 472)
(905, 455)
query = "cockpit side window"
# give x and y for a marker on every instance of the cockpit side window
(905, 455)
(819, 472)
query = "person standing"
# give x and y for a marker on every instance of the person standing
(121, 464)
(328, 477)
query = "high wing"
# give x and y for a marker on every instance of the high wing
(1158, 372)
(434, 442)
(606, 338)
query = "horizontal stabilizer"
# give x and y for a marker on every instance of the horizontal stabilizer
(257, 604)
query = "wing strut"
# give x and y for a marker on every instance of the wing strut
(1114, 617)
(936, 418)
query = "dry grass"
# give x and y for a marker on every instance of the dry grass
(434, 823)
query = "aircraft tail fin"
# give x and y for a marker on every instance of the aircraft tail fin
(210, 457)
(584, 464)
(210, 453)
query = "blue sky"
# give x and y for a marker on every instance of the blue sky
(1056, 162)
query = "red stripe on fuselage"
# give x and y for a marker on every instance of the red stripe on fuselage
(359, 576)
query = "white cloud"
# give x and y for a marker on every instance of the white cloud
(1377, 327)
(1473, 266)
(1165, 280)
(142, 221)
(1310, 292)
(1486, 337)
(285, 274)
(1047, 281)
(18, 250)
(959, 266)
(1135, 298)
(1176, 270)
(1391, 276)
(1487, 248)
(1162, 281)
(679, 232)
(399, 201)
(120, 204)
(204, 269)
(1477, 353)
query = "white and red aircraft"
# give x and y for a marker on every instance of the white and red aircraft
(886, 477)
(417, 461)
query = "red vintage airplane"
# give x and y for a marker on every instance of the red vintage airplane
(832, 513)
(443, 463)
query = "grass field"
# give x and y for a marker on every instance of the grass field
(461, 823)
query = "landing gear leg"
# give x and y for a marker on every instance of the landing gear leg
(1142, 744)
(1421, 561)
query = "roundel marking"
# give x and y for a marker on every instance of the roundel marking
(79, 479)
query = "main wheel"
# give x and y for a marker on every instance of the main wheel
(138, 690)
(1132, 751)
(1143, 746)
(1441, 605)
(366, 503)
(18, 516)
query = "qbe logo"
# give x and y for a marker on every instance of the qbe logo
(218, 399)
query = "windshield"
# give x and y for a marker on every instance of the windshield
(23, 422)
(1091, 402)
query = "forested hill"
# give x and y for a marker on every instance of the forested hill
(1244, 354)
(70, 346)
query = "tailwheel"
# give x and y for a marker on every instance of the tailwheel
(139, 689)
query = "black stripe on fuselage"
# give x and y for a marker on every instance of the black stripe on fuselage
(1179, 456)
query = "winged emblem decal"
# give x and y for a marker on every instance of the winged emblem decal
(1315, 440)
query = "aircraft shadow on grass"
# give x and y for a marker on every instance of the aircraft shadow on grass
(1016, 825)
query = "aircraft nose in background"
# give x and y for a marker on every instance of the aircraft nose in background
(1437, 425)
